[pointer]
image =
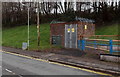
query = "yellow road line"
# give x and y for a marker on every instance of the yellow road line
(92, 71)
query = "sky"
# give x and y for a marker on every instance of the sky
(109, 1)
(58, 0)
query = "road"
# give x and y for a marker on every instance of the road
(17, 65)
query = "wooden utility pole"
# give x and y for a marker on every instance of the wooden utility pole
(28, 26)
(38, 25)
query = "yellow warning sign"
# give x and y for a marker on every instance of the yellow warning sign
(68, 29)
(73, 30)
(85, 26)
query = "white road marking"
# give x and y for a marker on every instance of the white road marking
(0, 66)
(8, 70)
(12, 72)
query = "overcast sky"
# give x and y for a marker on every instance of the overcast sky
(59, 0)
(83, 6)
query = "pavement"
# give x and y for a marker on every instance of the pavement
(75, 60)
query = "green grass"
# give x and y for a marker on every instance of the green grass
(108, 30)
(0, 37)
(14, 37)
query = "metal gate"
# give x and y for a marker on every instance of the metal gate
(71, 36)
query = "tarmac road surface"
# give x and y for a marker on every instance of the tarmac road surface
(17, 65)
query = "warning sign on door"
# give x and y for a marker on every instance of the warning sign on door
(68, 29)
(73, 30)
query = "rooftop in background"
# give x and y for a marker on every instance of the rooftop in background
(76, 19)
(55, 21)
(84, 19)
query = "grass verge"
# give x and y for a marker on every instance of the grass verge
(14, 37)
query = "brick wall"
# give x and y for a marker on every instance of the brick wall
(57, 29)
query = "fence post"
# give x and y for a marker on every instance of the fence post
(83, 45)
(79, 44)
(111, 46)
